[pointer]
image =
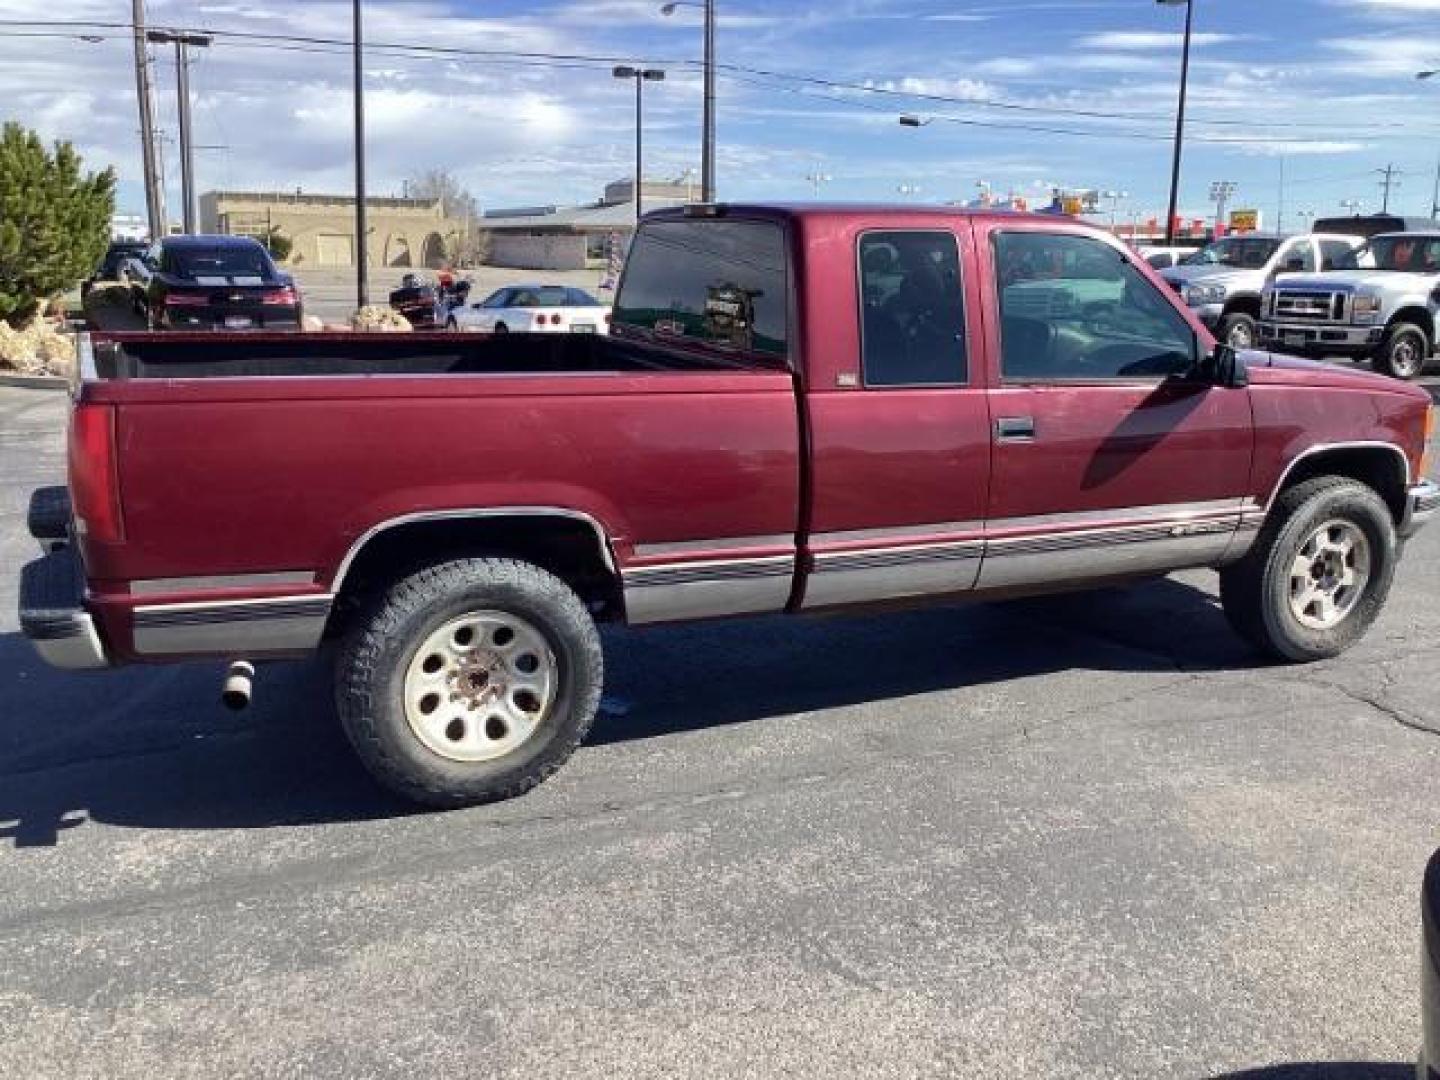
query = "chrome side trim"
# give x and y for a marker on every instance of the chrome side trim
(1327, 447)
(876, 574)
(714, 587)
(898, 532)
(1126, 514)
(152, 586)
(1105, 553)
(606, 552)
(728, 543)
(232, 627)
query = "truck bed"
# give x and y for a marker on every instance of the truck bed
(208, 355)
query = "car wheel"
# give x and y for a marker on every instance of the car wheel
(1318, 574)
(501, 328)
(1238, 330)
(470, 681)
(1404, 353)
(452, 326)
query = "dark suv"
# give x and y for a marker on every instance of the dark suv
(213, 283)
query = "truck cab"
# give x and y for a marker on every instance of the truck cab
(1223, 281)
(1379, 303)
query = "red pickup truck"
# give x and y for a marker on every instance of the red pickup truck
(800, 409)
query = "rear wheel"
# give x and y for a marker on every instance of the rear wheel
(1318, 574)
(1238, 330)
(1404, 352)
(451, 325)
(470, 681)
(501, 328)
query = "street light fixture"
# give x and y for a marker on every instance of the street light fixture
(707, 122)
(912, 121)
(641, 77)
(1179, 117)
(1427, 74)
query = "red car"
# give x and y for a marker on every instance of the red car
(798, 410)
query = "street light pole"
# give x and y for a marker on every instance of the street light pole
(1179, 117)
(707, 122)
(641, 76)
(362, 259)
(182, 42)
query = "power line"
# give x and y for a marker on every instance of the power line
(287, 42)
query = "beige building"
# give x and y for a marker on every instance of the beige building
(321, 228)
(575, 237)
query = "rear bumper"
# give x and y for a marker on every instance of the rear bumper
(1340, 339)
(1430, 972)
(1422, 505)
(53, 615)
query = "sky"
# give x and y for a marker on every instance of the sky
(1021, 96)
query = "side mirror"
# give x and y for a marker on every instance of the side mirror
(1223, 367)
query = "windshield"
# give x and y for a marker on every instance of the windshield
(232, 264)
(1246, 252)
(1410, 254)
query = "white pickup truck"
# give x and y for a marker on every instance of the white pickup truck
(1223, 281)
(1380, 304)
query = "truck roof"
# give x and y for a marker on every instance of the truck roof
(856, 209)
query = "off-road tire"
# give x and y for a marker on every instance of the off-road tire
(1404, 353)
(1238, 319)
(1255, 592)
(370, 672)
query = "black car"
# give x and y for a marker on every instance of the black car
(116, 256)
(213, 283)
(1430, 977)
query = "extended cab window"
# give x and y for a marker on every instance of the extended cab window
(1298, 257)
(716, 282)
(913, 313)
(1072, 307)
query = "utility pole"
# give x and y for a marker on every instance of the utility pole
(362, 259)
(1435, 198)
(1280, 211)
(1179, 116)
(1390, 173)
(182, 42)
(154, 191)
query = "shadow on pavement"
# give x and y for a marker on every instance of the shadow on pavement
(152, 747)
(1327, 1070)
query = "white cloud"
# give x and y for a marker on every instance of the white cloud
(1136, 40)
(963, 89)
(1396, 5)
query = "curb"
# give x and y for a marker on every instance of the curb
(34, 382)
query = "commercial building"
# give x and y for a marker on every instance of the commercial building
(574, 237)
(321, 228)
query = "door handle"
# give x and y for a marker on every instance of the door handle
(1014, 429)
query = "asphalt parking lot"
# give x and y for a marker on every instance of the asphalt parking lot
(1084, 837)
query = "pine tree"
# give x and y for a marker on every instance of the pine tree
(54, 221)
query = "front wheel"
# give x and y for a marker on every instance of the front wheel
(1404, 352)
(451, 325)
(1318, 574)
(470, 681)
(1238, 330)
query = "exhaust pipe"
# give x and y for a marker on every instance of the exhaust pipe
(235, 693)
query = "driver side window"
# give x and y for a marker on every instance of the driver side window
(1074, 308)
(1298, 257)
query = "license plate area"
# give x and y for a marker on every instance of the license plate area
(238, 322)
(582, 328)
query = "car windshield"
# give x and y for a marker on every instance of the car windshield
(580, 298)
(1406, 254)
(1247, 252)
(218, 262)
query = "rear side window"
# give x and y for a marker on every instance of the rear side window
(1334, 253)
(719, 283)
(912, 309)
